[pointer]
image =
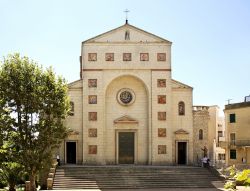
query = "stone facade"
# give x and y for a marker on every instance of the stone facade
(201, 120)
(127, 107)
(208, 128)
(237, 141)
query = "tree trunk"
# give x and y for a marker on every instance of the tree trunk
(12, 187)
(33, 181)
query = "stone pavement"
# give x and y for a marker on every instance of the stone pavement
(152, 189)
(239, 188)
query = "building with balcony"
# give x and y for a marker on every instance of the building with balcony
(237, 143)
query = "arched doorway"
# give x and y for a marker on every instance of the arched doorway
(126, 96)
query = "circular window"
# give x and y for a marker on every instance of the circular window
(126, 96)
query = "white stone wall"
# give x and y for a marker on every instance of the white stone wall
(119, 48)
(184, 122)
(99, 124)
(75, 122)
(156, 107)
(141, 77)
(138, 110)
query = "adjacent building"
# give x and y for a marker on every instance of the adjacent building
(208, 129)
(237, 144)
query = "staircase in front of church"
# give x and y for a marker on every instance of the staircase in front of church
(125, 177)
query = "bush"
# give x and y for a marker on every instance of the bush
(3, 184)
(237, 177)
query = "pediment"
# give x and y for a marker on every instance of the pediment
(75, 84)
(72, 132)
(135, 35)
(181, 131)
(126, 119)
(179, 85)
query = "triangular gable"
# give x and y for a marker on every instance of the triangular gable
(118, 35)
(126, 119)
(177, 84)
(181, 131)
(75, 84)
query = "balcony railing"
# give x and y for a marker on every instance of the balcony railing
(223, 144)
(239, 143)
(242, 142)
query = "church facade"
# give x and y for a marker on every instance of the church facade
(126, 108)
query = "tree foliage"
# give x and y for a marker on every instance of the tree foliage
(33, 104)
(11, 172)
(237, 177)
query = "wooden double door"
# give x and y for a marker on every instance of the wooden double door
(126, 147)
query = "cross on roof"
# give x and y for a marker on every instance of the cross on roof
(126, 12)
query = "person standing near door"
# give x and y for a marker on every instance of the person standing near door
(58, 160)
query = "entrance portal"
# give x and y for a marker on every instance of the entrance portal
(126, 147)
(182, 152)
(71, 152)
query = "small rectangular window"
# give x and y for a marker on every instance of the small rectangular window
(144, 57)
(232, 118)
(92, 56)
(232, 154)
(161, 99)
(93, 149)
(162, 132)
(161, 56)
(220, 134)
(221, 156)
(162, 149)
(127, 57)
(109, 56)
(92, 83)
(162, 116)
(161, 83)
(92, 116)
(92, 99)
(92, 132)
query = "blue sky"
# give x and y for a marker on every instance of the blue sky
(211, 38)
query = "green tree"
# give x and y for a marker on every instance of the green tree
(34, 102)
(11, 172)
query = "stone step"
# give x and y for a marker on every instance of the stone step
(83, 177)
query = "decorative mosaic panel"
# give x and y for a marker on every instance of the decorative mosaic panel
(144, 57)
(161, 83)
(162, 116)
(92, 83)
(125, 96)
(161, 56)
(93, 149)
(161, 99)
(92, 116)
(92, 57)
(162, 149)
(93, 132)
(127, 57)
(109, 56)
(92, 99)
(162, 132)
